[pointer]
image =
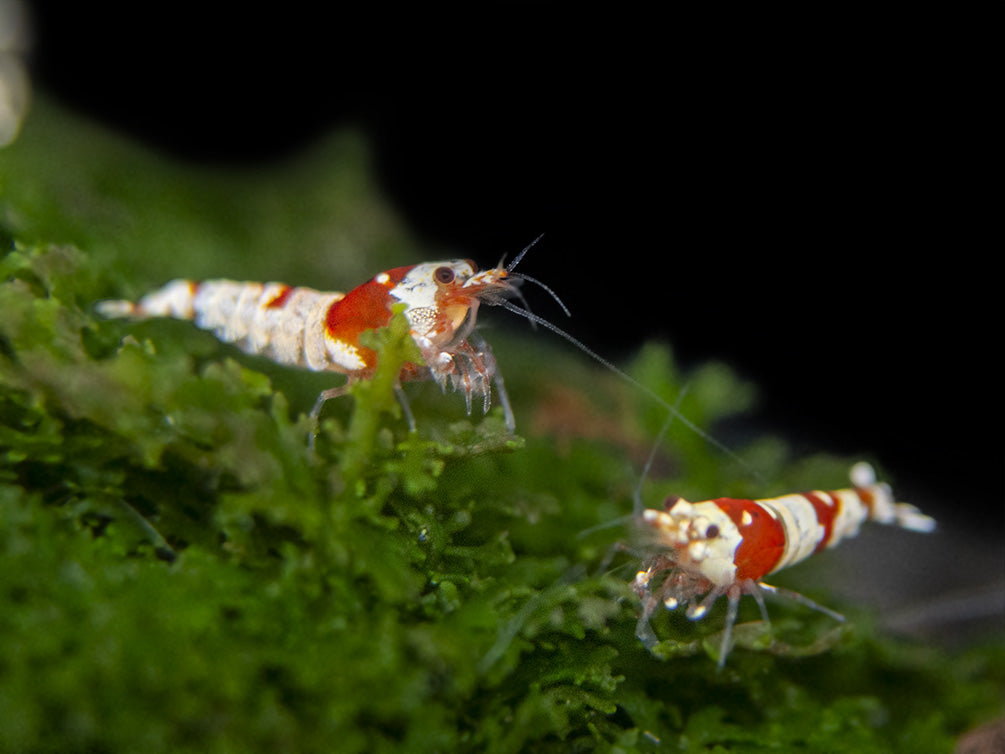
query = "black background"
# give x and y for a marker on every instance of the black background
(799, 197)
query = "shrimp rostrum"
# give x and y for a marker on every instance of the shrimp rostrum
(726, 546)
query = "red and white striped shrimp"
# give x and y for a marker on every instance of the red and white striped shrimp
(320, 331)
(726, 546)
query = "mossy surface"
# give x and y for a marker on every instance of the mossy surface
(179, 571)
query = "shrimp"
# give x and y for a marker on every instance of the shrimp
(320, 331)
(726, 546)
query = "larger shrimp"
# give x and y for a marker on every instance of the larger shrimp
(726, 546)
(320, 331)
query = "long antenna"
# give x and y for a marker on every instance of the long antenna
(607, 364)
(516, 260)
(509, 306)
(675, 414)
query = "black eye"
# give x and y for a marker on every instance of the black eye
(444, 275)
(712, 532)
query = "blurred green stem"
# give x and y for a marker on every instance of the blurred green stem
(394, 347)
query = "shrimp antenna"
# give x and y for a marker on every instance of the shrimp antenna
(634, 516)
(674, 411)
(549, 291)
(674, 414)
(519, 277)
(520, 256)
(637, 494)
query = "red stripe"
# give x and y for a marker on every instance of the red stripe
(365, 307)
(827, 505)
(280, 299)
(867, 498)
(763, 538)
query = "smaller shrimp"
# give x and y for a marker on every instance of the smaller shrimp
(726, 546)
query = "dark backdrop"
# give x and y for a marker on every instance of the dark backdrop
(794, 196)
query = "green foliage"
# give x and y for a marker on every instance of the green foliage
(179, 571)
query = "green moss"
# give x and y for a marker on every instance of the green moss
(181, 572)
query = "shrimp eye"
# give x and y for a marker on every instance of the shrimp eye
(444, 275)
(712, 531)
